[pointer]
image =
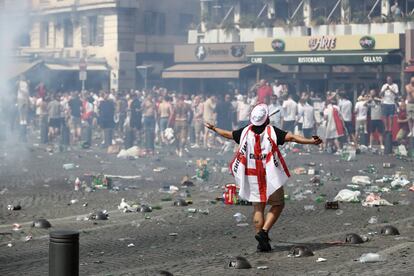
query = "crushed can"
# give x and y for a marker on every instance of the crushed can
(230, 194)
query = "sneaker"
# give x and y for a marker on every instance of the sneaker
(263, 239)
(410, 134)
(382, 147)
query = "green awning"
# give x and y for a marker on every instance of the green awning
(326, 58)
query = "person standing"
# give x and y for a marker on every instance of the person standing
(23, 100)
(335, 128)
(106, 119)
(165, 112)
(377, 125)
(308, 120)
(54, 109)
(75, 107)
(275, 108)
(182, 112)
(264, 92)
(402, 122)
(149, 119)
(135, 119)
(290, 110)
(243, 111)
(198, 111)
(260, 170)
(361, 115)
(409, 89)
(389, 93)
(345, 108)
(209, 116)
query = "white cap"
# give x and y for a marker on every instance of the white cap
(259, 114)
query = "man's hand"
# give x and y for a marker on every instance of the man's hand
(209, 126)
(317, 140)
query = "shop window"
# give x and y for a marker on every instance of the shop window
(92, 30)
(44, 38)
(154, 23)
(68, 33)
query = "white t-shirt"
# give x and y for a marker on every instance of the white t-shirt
(389, 97)
(290, 108)
(243, 111)
(361, 110)
(308, 116)
(345, 106)
(275, 119)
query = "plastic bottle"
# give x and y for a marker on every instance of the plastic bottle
(77, 184)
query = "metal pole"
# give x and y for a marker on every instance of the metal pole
(333, 10)
(297, 9)
(64, 253)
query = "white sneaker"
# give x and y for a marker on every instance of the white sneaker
(410, 134)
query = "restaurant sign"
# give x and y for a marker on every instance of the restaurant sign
(328, 43)
(224, 52)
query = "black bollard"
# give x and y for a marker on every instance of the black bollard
(388, 142)
(64, 253)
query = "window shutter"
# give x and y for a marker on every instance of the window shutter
(85, 31)
(100, 30)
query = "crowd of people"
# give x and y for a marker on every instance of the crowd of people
(158, 117)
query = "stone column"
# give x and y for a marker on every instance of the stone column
(385, 7)
(307, 12)
(345, 12)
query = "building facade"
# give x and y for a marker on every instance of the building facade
(315, 44)
(108, 39)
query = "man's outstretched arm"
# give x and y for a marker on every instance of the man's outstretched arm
(223, 133)
(302, 140)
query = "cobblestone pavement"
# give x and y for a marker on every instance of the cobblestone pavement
(203, 244)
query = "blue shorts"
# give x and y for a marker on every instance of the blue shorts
(388, 110)
(307, 132)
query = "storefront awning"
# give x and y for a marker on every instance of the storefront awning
(205, 71)
(326, 58)
(75, 67)
(18, 68)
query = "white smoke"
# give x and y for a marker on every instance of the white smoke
(13, 21)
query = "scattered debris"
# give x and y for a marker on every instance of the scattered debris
(373, 220)
(131, 245)
(159, 169)
(361, 180)
(16, 227)
(400, 181)
(240, 263)
(41, 223)
(346, 195)
(300, 251)
(180, 202)
(332, 205)
(321, 260)
(370, 258)
(263, 267)
(131, 153)
(309, 208)
(353, 238)
(375, 200)
(145, 209)
(240, 217)
(69, 166)
(390, 230)
(127, 207)
(99, 215)
(173, 234)
(14, 207)
(300, 171)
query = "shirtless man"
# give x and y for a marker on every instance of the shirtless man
(149, 114)
(409, 88)
(182, 118)
(164, 113)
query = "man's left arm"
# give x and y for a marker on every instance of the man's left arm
(290, 137)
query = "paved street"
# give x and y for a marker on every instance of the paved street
(203, 244)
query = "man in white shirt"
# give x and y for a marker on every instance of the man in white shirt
(389, 92)
(276, 119)
(361, 112)
(290, 109)
(308, 120)
(243, 112)
(277, 88)
(345, 107)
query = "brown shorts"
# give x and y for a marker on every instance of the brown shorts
(275, 199)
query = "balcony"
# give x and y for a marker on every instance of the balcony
(53, 6)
